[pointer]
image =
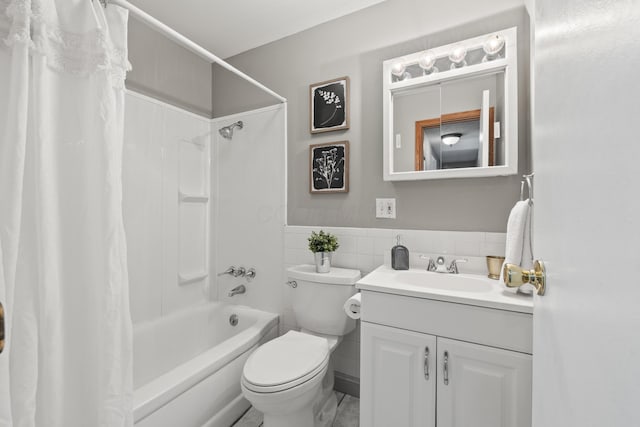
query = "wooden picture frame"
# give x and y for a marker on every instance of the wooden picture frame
(329, 167)
(462, 116)
(329, 105)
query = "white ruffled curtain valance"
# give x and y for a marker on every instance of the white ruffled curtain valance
(63, 266)
(77, 38)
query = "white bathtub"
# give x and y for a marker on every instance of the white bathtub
(188, 365)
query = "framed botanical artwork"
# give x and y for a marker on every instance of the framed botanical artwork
(329, 105)
(329, 167)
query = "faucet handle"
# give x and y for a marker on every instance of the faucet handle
(231, 270)
(240, 272)
(453, 267)
(432, 265)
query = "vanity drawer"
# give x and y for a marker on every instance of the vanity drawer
(487, 326)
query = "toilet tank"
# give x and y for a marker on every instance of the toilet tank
(319, 298)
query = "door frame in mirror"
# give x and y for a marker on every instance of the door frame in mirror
(509, 124)
(462, 116)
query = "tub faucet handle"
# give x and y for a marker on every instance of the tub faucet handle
(240, 272)
(231, 270)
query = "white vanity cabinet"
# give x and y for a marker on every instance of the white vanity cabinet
(397, 377)
(435, 363)
(482, 386)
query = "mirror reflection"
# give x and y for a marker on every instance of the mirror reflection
(450, 125)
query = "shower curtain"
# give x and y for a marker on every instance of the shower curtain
(63, 271)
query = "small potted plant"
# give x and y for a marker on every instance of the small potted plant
(323, 245)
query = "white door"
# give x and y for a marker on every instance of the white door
(398, 377)
(480, 386)
(586, 155)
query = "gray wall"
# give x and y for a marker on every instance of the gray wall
(168, 72)
(356, 45)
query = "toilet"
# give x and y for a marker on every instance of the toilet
(290, 379)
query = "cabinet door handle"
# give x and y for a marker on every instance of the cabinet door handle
(1, 328)
(445, 368)
(426, 363)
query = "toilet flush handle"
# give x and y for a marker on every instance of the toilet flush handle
(292, 283)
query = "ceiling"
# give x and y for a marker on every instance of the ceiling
(229, 27)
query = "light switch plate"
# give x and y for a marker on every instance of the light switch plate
(386, 208)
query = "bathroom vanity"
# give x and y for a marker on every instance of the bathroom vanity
(443, 350)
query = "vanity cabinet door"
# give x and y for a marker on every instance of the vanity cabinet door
(398, 377)
(481, 386)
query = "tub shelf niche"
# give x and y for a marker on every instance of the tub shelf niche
(185, 279)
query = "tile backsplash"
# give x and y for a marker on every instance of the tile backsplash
(368, 248)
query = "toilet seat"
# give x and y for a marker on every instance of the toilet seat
(286, 362)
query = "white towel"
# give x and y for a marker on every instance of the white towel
(518, 247)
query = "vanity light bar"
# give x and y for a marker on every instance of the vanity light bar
(492, 44)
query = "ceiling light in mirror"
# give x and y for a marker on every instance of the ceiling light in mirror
(427, 62)
(451, 138)
(492, 47)
(457, 55)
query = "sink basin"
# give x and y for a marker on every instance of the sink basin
(442, 281)
(471, 289)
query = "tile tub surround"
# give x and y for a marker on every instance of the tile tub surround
(367, 248)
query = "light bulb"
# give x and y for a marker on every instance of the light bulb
(457, 55)
(493, 45)
(397, 69)
(427, 60)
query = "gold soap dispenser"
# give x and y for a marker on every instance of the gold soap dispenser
(399, 256)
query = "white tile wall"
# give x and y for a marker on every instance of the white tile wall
(368, 248)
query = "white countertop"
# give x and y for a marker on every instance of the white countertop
(464, 288)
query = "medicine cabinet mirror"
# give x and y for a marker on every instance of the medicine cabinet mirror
(451, 111)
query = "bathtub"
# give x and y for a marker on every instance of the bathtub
(188, 365)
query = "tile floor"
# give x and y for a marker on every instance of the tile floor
(348, 414)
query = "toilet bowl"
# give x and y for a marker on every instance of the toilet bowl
(290, 379)
(283, 378)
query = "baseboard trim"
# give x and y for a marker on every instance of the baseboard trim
(347, 384)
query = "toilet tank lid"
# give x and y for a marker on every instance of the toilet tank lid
(337, 276)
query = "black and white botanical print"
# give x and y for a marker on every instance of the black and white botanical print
(329, 105)
(329, 167)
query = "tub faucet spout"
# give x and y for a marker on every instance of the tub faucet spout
(237, 290)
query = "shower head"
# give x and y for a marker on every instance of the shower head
(227, 131)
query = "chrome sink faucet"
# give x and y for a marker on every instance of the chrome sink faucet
(439, 265)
